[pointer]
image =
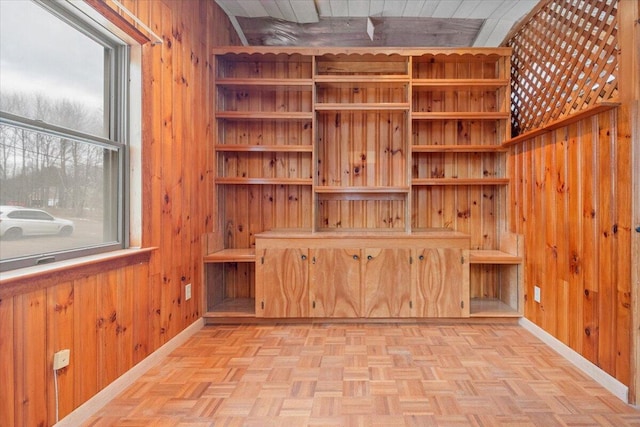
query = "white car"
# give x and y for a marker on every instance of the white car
(16, 222)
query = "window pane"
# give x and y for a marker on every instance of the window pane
(50, 71)
(71, 180)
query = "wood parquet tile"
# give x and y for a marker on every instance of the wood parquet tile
(365, 375)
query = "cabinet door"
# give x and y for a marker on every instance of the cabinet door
(282, 287)
(334, 283)
(442, 283)
(387, 282)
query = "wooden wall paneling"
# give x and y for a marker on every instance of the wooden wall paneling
(7, 363)
(606, 244)
(577, 232)
(549, 295)
(574, 225)
(560, 137)
(31, 359)
(60, 335)
(124, 318)
(537, 254)
(84, 352)
(527, 219)
(142, 312)
(115, 319)
(107, 306)
(622, 230)
(591, 203)
(629, 134)
(167, 170)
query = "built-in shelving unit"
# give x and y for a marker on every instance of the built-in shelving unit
(366, 140)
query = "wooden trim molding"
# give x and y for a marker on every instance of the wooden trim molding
(118, 20)
(565, 121)
(34, 278)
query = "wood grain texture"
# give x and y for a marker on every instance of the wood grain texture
(283, 275)
(365, 375)
(577, 245)
(335, 283)
(115, 313)
(440, 284)
(386, 282)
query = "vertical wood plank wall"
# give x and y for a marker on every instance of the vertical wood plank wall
(114, 319)
(571, 198)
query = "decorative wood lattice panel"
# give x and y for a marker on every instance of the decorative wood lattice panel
(564, 60)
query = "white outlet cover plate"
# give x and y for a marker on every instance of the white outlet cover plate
(536, 294)
(61, 359)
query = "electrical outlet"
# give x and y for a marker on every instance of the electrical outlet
(187, 292)
(536, 293)
(61, 359)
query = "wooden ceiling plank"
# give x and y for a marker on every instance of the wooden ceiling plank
(428, 8)
(466, 9)
(519, 9)
(231, 7)
(375, 8)
(286, 10)
(272, 9)
(487, 8)
(358, 8)
(253, 9)
(413, 8)
(393, 7)
(304, 11)
(492, 32)
(446, 8)
(340, 8)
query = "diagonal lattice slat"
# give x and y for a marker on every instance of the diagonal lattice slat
(564, 60)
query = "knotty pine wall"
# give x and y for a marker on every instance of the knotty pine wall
(571, 194)
(113, 318)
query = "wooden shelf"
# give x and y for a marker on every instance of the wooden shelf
(362, 193)
(458, 149)
(459, 115)
(266, 84)
(493, 257)
(272, 181)
(459, 84)
(233, 307)
(372, 106)
(231, 255)
(370, 80)
(265, 148)
(490, 307)
(264, 115)
(460, 181)
(334, 189)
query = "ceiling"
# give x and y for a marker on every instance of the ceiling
(391, 23)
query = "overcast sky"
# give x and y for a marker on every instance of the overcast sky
(31, 61)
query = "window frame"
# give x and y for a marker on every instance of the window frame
(117, 98)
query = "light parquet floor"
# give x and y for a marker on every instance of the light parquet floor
(365, 375)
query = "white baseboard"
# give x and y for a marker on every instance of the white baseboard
(104, 396)
(601, 377)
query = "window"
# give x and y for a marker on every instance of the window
(63, 135)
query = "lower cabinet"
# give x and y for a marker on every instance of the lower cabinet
(442, 278)
(283, 277)
(324, 278)
(334, 283)
(387, 282)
